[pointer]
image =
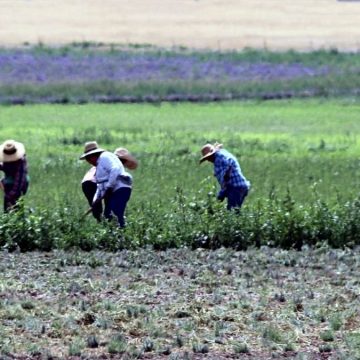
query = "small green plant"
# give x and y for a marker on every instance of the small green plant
(103, 323)
(241, 348)
(336, 322)
(6, 349)
(148, 345)
(200, 348)
(109, 305)
(189, 326)
(117, 345)
(219, 326)
(327, 336)
(325, 348)
(75, 347)
(27, 305)
(353, 344)
(272, 333)
(134, 311)
(290, 347)
(133, 352)
(15, 312)
(34, 350)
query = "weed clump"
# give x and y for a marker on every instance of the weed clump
(117, 345)
(327, 336)
(75, 348)
(241, 348)
(200, 348)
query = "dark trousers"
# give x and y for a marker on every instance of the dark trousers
(116, 203)
(235, 196)
(10, 203)
(89, 190)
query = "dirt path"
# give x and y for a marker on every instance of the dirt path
(218, 24)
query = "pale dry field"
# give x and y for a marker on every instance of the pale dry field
(216, 24)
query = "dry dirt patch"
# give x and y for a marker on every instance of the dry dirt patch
(217, 24)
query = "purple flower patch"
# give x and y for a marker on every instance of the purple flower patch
(22, 66)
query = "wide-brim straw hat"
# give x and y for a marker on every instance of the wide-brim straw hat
(124, 154)
(91, 147)
(11, 150)
(208, 150)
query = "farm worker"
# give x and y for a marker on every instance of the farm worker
(113, 182)
(233, 184)
(16, 181)
(89, 185)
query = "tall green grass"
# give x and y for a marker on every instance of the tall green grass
(300, 156)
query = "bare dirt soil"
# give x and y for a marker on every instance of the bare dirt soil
(216, 24)
(259, 304)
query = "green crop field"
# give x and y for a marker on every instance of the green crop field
(150, 301)
(300, 156)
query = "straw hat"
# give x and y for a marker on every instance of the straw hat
(91, 147)
(123, 154)
(11, 150)
(208, 150)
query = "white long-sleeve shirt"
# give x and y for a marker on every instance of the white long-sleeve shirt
(110, 175)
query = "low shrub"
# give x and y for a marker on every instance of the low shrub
(192, 222)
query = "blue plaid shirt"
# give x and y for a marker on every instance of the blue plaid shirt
(228, 172)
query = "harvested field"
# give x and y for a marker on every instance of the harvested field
(215, 24)
(181, 304)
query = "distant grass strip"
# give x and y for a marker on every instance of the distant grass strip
(82, 73)
(177, 90)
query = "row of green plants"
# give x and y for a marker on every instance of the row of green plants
(191, 222)
(105, 91)
(316, 57)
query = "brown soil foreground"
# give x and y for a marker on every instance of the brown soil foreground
(216, 24)
(180, 304)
